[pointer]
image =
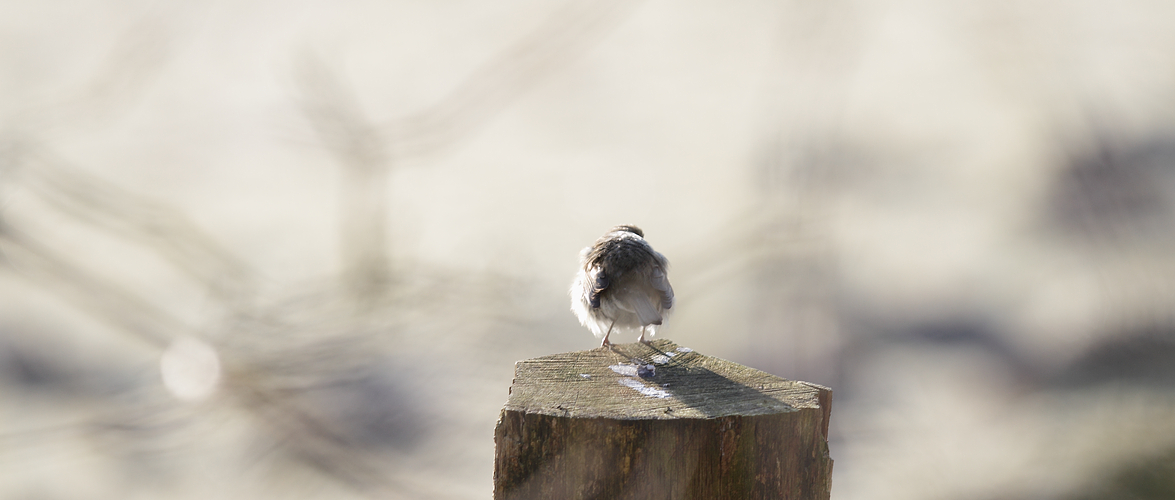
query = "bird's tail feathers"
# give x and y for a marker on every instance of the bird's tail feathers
(645, 310)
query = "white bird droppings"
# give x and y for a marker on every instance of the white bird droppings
(626, 370)
(645, 390)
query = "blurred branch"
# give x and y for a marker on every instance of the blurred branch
(568, 33)
(138, 54)
(107, 301)
(335, 112)
(310, 394)
(317, 444)
(362, 148)
(163, 229)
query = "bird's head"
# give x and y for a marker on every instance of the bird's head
(629, 229)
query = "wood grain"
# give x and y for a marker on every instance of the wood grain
(659, 421)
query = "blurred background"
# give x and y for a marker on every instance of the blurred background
(265, 249)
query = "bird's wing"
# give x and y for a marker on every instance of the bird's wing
(599, 282)
(660, 282)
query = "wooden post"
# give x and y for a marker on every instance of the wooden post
(659, 421)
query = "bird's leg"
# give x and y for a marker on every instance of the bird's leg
(605, 343)
(642, 339)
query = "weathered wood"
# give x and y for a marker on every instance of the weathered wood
(659, 421)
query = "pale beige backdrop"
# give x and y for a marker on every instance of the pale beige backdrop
(291, 249)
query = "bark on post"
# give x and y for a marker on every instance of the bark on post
(659, 421)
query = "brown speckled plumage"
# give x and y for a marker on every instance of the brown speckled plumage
(622, 284)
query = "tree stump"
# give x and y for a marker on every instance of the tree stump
(659, 421)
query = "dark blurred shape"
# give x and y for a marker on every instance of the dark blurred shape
(28, 368)
(1151, 479)
(1118, 189)
(1139, 358)
(345, 421)
(376, 411)
(870, 334)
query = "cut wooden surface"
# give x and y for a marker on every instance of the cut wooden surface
(659, 421)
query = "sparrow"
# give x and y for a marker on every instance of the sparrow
(621, 285)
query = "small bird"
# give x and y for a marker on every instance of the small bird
(621, 284)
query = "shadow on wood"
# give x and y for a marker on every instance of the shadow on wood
(659, 421)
